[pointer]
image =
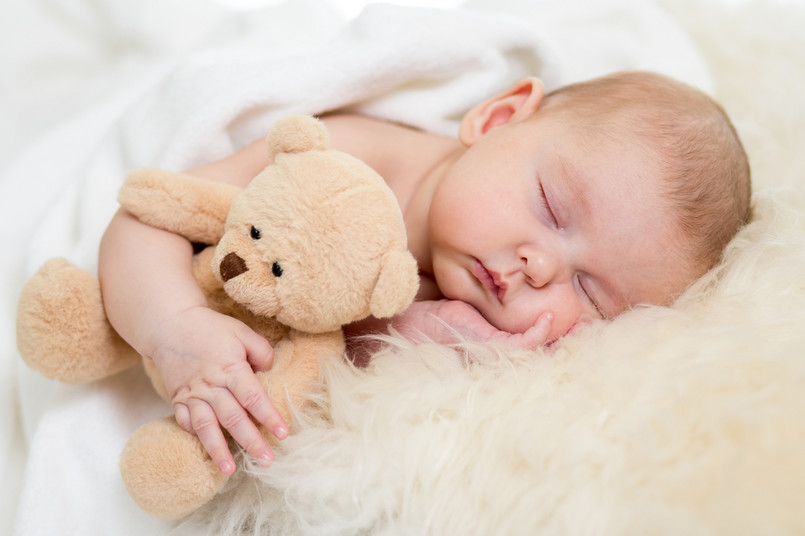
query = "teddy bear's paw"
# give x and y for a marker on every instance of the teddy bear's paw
(167, 471)
(62, 329)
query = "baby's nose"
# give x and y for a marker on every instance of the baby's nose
(541, 266)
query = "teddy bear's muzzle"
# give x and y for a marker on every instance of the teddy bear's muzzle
(232, 266)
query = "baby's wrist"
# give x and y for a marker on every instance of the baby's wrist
(164, 327)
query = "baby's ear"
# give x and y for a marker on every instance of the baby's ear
(396, 286)
(515, 104)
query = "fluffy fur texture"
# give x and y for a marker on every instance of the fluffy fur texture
(681, 420)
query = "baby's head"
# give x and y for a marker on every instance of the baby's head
(588, 201)
(703, 169)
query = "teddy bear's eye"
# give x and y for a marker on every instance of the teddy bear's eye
(276, 269)
(255, 233)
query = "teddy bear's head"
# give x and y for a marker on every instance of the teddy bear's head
(317, 239)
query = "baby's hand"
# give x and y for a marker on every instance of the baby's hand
(207, 362)
(443, 320)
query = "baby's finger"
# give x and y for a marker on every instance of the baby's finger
(537, 335)
(182, 416)
(237, 422)
(252, 396)
(205, 425)
(259, 352)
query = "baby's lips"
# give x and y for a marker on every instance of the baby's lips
(490, 280)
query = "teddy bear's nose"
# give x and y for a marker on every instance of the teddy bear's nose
(232, 266)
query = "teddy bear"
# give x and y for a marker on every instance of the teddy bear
(316, 241)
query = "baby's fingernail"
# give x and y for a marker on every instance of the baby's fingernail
(280, 432)
(226, 467)
(265, 459)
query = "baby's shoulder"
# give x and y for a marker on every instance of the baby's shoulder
(349, 129)
(371, 140)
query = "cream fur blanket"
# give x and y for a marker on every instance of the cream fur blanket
(681, 420)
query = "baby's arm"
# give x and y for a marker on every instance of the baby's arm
(206, 360)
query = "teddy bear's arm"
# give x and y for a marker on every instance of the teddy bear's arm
(192, 207)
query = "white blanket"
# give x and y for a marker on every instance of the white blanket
(179, 99)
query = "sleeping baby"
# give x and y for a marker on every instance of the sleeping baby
(547, 212)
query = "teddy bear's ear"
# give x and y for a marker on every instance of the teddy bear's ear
(396, 285)
(296, 134)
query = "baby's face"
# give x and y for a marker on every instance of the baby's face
(533, 219)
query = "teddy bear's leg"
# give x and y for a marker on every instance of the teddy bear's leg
(167, 471)
(62, 329)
